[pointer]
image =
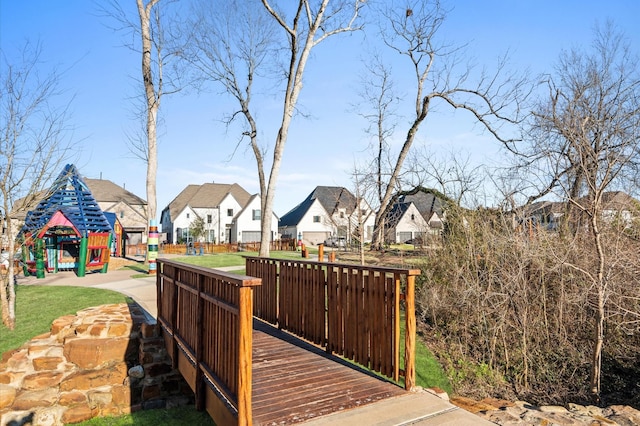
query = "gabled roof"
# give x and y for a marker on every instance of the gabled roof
(619, 200)
(70, 196)
(545, 208)
(426, 203)
(331, 198)
(208, 195)
(107, 191)
(396, 213)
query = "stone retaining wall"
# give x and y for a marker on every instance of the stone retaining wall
(105, 360)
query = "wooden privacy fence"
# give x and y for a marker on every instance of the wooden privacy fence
(354, 311)
(206, 317)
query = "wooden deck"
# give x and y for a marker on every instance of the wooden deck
(294, 381)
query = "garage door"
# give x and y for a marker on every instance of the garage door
(250, 236)
(403, 236)
(314, 237)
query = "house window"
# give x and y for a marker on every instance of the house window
(209, 218)
(413, 216)
(341, 215)
(256, 214)
(121, 214)
(316, 219)
(230, 212)
(187, 215)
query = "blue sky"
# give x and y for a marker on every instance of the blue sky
(195, 147)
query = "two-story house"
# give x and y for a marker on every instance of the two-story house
(328, 212)
(130, 210)
(228, 212)
(415, 217)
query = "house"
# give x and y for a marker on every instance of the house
(546, 214)
(616, 206)
(66, 230)
(404, 223)
(130, 210)
(226, 212)
(329, 211)
(414, 216)
(620, 207)
(430, 207)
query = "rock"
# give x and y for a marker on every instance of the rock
(77, 414)
(88, 379)
(553, 409)
(92, 353)
(7, 396)
(30, 400)
(41, 380)
(72, 398)
(48, 417)
(137, 372)
(47, 363)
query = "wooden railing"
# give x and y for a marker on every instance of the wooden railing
(206, 318)
(351, 310)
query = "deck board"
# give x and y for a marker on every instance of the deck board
(294, 381)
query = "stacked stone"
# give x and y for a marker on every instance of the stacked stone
(104, 361)
(508, 413)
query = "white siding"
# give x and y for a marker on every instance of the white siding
(412, 223)
(322, 223)
(246, 225)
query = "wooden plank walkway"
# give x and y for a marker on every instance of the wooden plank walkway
(294, 381)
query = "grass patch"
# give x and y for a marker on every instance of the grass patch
(37, 307)
(174, 416)
(220, 260)
(429, 372)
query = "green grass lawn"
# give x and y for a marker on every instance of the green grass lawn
(37, 307)
(234, 259)
(174, 416)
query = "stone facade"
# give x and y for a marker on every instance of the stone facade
(106, 360)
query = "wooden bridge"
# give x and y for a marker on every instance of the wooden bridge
(272, 347)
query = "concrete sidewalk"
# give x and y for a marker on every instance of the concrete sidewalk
(419, 408)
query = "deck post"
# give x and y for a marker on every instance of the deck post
(410, 334)
(245, 327)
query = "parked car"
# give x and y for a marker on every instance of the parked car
(335, 242)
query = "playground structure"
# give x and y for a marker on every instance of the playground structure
(66, 231)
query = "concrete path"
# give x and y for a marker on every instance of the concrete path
(418, 409)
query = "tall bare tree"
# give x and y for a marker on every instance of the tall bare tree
(411, 29)
(34, 142)
(158, 50)
(586, 139)
(236, 52)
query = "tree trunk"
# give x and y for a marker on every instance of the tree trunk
(153, 104)
(596, 366)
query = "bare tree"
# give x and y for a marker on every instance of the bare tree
(586, 136)
(492, 99)
(236, 49)
(33, 144)
(158, 51)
